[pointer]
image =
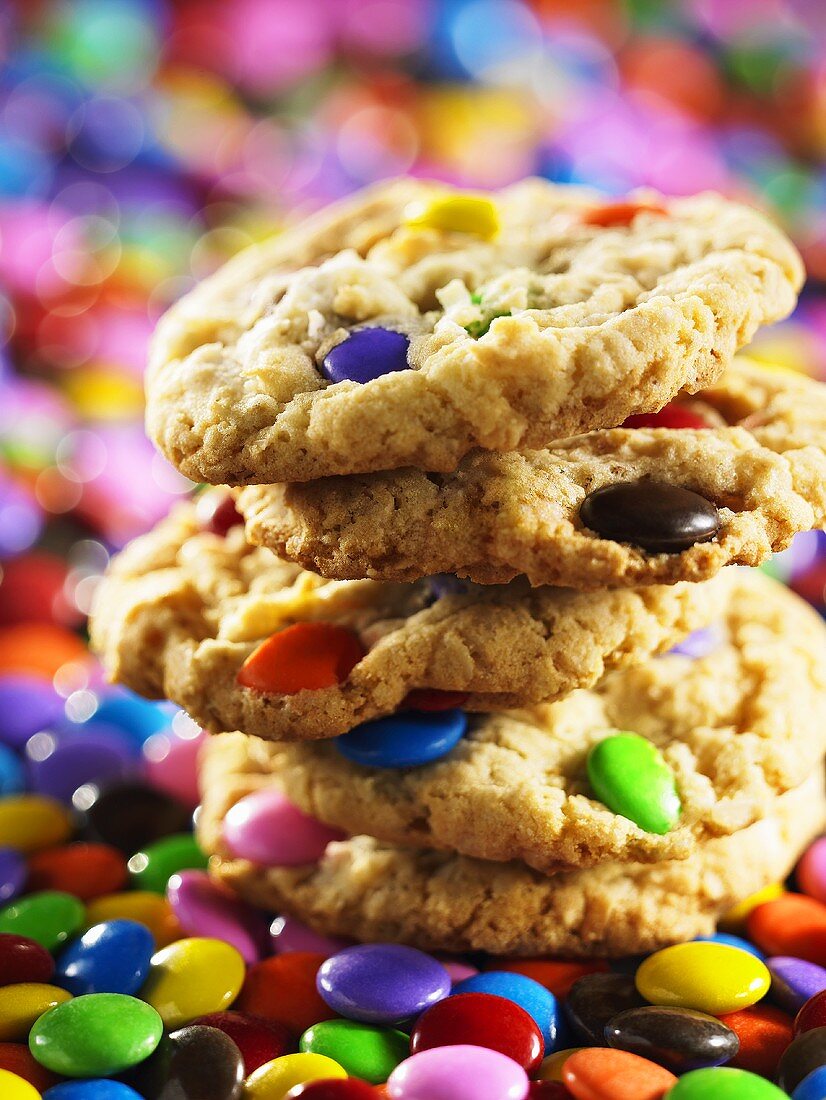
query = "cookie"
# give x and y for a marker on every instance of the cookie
(736, 726)
(440, 901)
(410, 324)
(182, 610)
(745, 484)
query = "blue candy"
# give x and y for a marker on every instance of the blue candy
(731, 940)
(12, 772)
(813, 1086)
(404, 740)
(366, 354)
(537, 1001)
(100, 1089)
(112, 957)
(27, 704)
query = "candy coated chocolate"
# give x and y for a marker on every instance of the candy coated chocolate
(381, 983)
(365, 1051)
(659, 518)
(366, 354)
(678, 1038)
(192, 1063)
(595, 999)
(23, 960)
(458, 1073)
(130, 816)
(112, 957)
(806, 1052)
(794, 981)
(204, 908)
(259, 1040)
(484, 1020)
(537, 1001)
(408, 739)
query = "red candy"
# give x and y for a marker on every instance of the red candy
(349, 1088)
(216, 513)
(16, 1058)
(672, 416)
(790, 925)
(431, 700)
(283, 989)
(482, 1020)
(23, 960)
(303, 657)
(764, 1033)
(601, 1073)
(259, 1040)
(812, 1014)
(548, 1090)
(556, 975)
(621, 212)
(85, 870)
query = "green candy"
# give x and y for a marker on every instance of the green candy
(371, 1053)
(629, 775)
(724, 1084)
(50, 917)
(101, 1034)
(152, 868)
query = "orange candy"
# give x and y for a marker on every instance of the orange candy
(790, 925)
(85, 870)
(764, 1033)
(556, 975)
(622, 212)
(304, 657)
(283, 988)
(601, 1073)
(38, 648)
(16, 1058)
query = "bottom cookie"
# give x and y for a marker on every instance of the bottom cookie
(440, 901)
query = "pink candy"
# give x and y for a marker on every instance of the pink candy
(811, 871)
(458, 1073)
(265, 828)
(288, 935)
(205, 909)
(172, 763)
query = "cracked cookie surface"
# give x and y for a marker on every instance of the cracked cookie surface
(441, 901)
(182, 609)
(555, 326)
(761, 463)
(737, 726)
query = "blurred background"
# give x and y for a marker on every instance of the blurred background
(143, 142)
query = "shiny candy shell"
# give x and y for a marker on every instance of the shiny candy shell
(366, 354)
(381, 983)
(192, 1063)
(267, 828)
(130, 816)
(13, 1087)
(349, 1088)
(152, 868)
(96, 1036)
(302, 657)
(364, 1051)
(100, 1089)
(806, 1053)
(812, 1087)
(204, 908)
(273, 1080)
(406, 740)
(29, 822)
(659, 518)
(23, 960)
(628, 773)
(58, 765)
(284, 989)
(21, 1005)
(458, 1073)
(50, 917)
(480, 1019)
(678, 1038)
(812, 1014)
(192, 977)
(84, 870)
(142, 906)
(595, 999)
(112, 957)
(764, 1033)
(790, 925)
(455, 213)
(723, 1083)
(811, 870)
(794, 981)
(13, 874)
(535, 999)
(709, 977)
(258, 1040)
(601, 1073)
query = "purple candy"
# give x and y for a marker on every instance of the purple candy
(382, 983)
(13, 874)
(366, 354)
(698, 644)
(27, 704)
(60, 763)
(794, 981)
(205, 909)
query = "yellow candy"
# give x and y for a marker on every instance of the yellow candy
(456, 214)
(193, 977)
(104, 394)
(22, 1004)
(735, 919)
(13, 1087)
(273, 1080)
(711, 977)
(29, 822)
(551, 1068)
(144, 906)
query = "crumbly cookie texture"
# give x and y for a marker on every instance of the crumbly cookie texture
(181, 610)
(736, 727)
(556, 326)
(440, 901)
(762, 462)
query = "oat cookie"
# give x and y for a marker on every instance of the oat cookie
(737, 726)
(365, 340)
(441, 901)
(760, 468)
(182, 609)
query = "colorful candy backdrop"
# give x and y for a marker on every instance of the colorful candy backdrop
(142, 142)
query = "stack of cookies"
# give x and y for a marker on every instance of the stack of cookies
(474, 593)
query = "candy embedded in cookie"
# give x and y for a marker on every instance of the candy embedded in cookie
(365, 354)
(621, 213)
(455, 213)
(302, 657)
(404, 740)
(660, 518)
(631, 777)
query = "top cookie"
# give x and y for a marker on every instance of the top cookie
(410, 324)
(740, 473)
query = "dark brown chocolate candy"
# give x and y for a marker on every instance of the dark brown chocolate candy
(678, 1038)
(595, 999)
(659, 518)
